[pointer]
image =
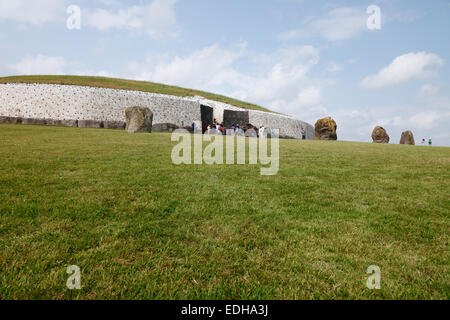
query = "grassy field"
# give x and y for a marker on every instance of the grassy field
(124, 84)
(142, 228)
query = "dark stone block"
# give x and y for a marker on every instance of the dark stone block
(165, 127)
(68, 123)
(62, 123)
(114, 125)
(231, 117)
(33, 121)
(207, 114)
(90, 124)
(11, 120)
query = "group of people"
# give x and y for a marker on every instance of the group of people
(236, 130)
(424, 142)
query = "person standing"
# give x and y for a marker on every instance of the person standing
(303, 133)
(261, 132)
(429, 142)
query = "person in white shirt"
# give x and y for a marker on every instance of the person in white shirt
(261, 132)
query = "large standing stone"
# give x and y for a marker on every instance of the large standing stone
(139, 119)
(379, 135)
(325, 129)
(407, 138)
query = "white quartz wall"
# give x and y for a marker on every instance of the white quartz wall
(64, 102)
(289, 127)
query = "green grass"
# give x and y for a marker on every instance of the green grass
(142, 228)
(124, 84)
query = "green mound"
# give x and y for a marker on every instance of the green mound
(140, 227)
(134, 85)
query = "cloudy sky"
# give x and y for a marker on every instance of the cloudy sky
(305, 58)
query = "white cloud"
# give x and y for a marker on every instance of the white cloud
(6, 70)
(156, 18)
(95, 73)
(280, 83)
(39, 64)
(338, 24)
(424, 120)
(404, 68)
(428, 90)
(32, 12)
(334, 67)
(206, 68)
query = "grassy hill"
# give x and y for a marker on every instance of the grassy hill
(123, 84)
(142, 228)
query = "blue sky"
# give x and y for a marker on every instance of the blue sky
(305, 58)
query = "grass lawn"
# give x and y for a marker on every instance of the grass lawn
(133, 85)
(142, 228)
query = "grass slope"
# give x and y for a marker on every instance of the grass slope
(142, 228)
(123, 84)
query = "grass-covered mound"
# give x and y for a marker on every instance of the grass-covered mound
(124, 84)
(142, 228)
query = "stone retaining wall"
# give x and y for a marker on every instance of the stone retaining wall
(105, 108)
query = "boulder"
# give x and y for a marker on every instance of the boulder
(139, 119)
(407, 138)
(325, 129)
(379, 135)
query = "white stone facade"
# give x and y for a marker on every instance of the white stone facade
(65, 102)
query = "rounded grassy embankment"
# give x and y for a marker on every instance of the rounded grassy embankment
(123, 84)
(140, 227)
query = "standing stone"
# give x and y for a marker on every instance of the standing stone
(325, 129)
(379, 135)
(139, 119)
(407, 138)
